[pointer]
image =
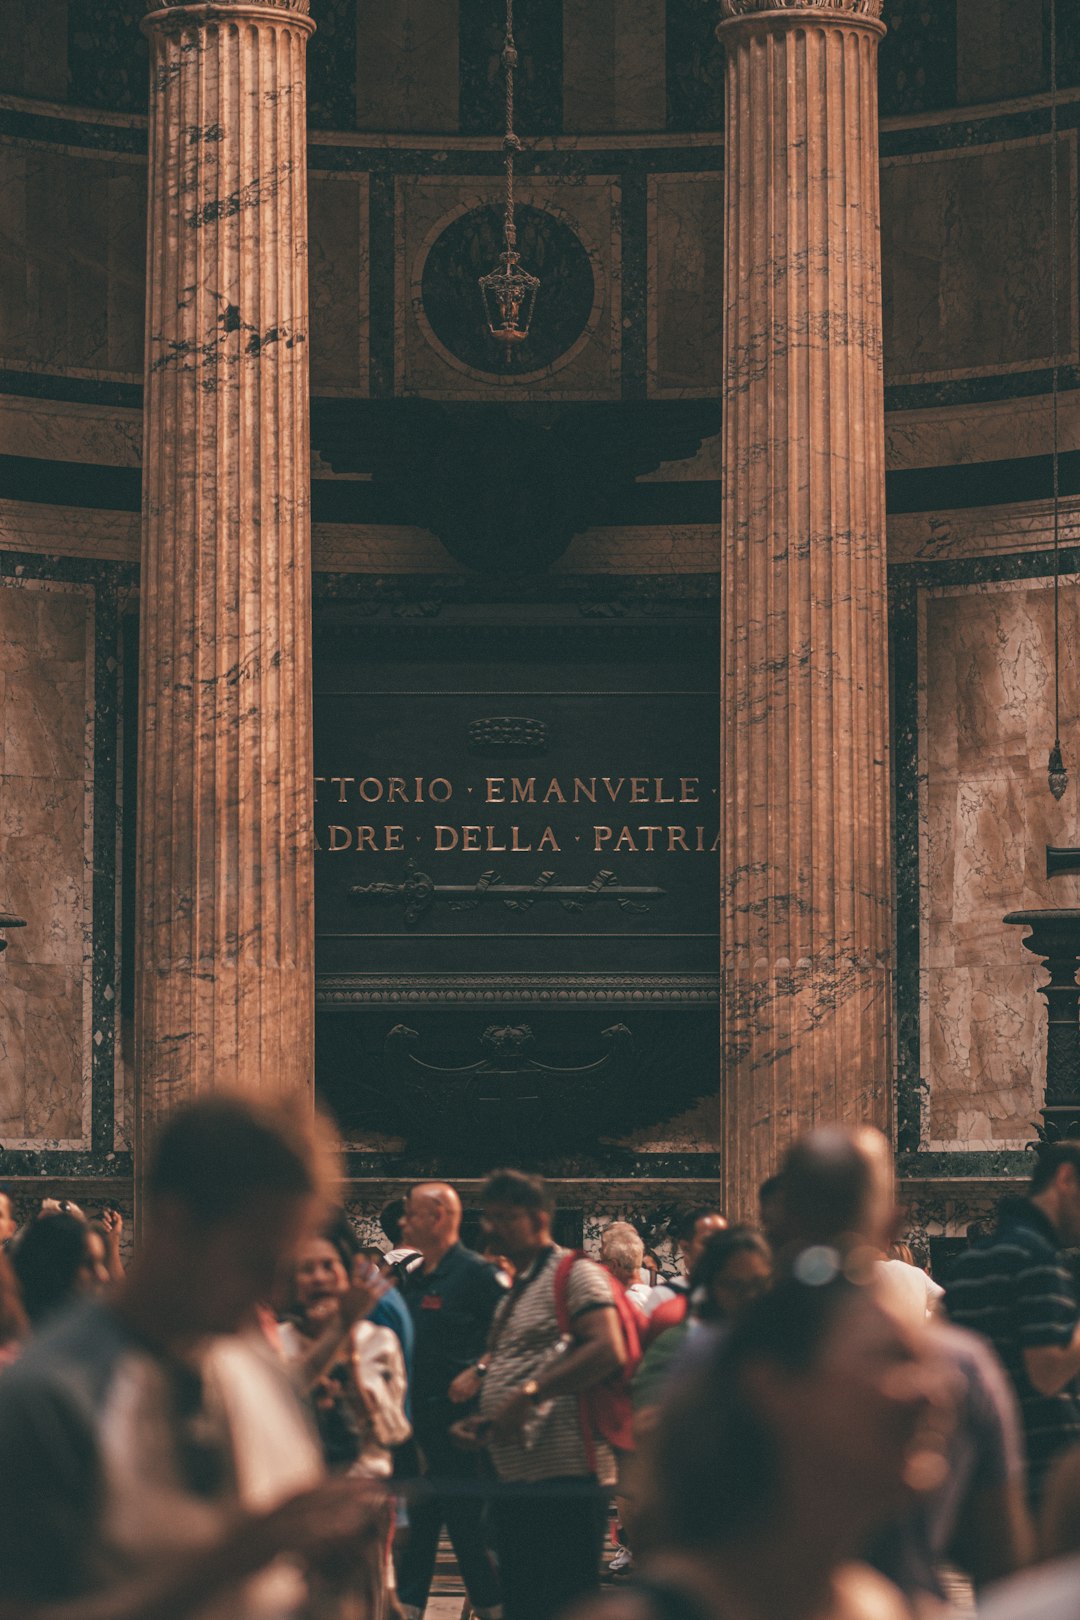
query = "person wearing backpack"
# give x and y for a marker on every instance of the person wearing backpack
(554, 1404)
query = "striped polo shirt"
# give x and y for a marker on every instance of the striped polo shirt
(525, 1341)
(1016, 1290)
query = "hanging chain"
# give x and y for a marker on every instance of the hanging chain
(1054, 373)
(509, 291)
(1057, 775)
(511, 144)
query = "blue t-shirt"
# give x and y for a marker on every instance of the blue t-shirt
(393, 1313)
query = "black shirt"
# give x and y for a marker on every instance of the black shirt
(451, 1308)
(1017, 1291)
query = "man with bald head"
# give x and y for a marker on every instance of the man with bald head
(451, 1296)
(839, 1190)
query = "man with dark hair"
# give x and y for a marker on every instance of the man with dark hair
(400, 1258)
(555, 1337)
(515, 1189)
(828, 1183)
(156, 1459)
(733, 1270)
(1016, 1289)
(771, 1211)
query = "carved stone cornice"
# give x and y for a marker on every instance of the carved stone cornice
(733, 9)
(570, 461)
(494, 989)
(302, 7)
(171, 16)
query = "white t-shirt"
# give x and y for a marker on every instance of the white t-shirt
(662, 1293)
(907, 1290)
(639, 1292)
(117, 1461)
(1049, 1593)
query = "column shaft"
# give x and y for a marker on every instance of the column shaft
(806, 916)
(225, 910)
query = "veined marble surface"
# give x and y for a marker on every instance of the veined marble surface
(961, 231)
(46, 826)
(986, 815)
(685, 232)
(981, 531)
(614, 66)
(1002, 429)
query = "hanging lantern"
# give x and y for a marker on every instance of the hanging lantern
(508, 291)
(509, 298)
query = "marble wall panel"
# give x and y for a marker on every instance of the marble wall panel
(538, 35)
(589, 369)
(999, 49)
(46, 865)
(62, 430)
(680, 549)
(331, 65)
(338, 270)
(998, 430)
(986, 816)
(614, 65)
(987, 1052)
(69, 531)
(107, 56)
(407, 65)
(966, 239)
(917, 57)
(370, 548)
(981, 531)
(685, 244)
(13, 267)
(72, 262)
(125, 263)
(695, 66)
(33, 61)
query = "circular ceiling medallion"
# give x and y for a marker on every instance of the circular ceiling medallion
(467, 248)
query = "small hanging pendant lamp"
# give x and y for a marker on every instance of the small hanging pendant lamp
(509, 292)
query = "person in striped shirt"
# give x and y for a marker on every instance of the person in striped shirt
(1017, 1291)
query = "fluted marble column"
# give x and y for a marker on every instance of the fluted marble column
(806, 924)
(224, 944)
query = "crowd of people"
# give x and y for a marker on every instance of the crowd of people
(264, 1419)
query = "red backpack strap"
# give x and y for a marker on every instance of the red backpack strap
(562, 1316)
(562, 1288)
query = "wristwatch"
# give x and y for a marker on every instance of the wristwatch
(531, 1391)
